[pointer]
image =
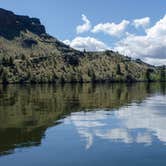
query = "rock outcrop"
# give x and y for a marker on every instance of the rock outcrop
(11, 25)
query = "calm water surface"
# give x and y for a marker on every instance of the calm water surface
(83, 125)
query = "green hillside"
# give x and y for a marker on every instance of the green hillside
(29, 55)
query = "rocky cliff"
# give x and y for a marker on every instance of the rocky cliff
(11, 25)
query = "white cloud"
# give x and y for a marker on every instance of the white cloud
(111, 28)
(159, 29)
(142, 22)
(149, 47)
(84, 27)
(67, 42)
(155, 61)
(87, 43)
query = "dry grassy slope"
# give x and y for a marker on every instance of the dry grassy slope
(29, 56)
(33, 58)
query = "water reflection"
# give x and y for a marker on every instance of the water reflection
(27, 111)
(136, 123)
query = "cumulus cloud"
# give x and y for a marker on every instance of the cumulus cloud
(84, 27)
(111, 29)
(87, 43)
(67, 42)
(142, 22)
(155, 61)
(151, 47)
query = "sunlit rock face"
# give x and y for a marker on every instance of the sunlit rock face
(11, 25)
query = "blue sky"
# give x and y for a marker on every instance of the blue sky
(122, 25)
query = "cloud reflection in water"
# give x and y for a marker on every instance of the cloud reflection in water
(137, 123)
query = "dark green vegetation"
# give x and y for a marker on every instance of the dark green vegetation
(29, 55)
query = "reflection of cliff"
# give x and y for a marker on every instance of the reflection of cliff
(17, 137)
(27, 111)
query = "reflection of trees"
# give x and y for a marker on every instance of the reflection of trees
(27, 111)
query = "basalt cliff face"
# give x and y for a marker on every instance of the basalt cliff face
(29, 55)
(11, 25)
